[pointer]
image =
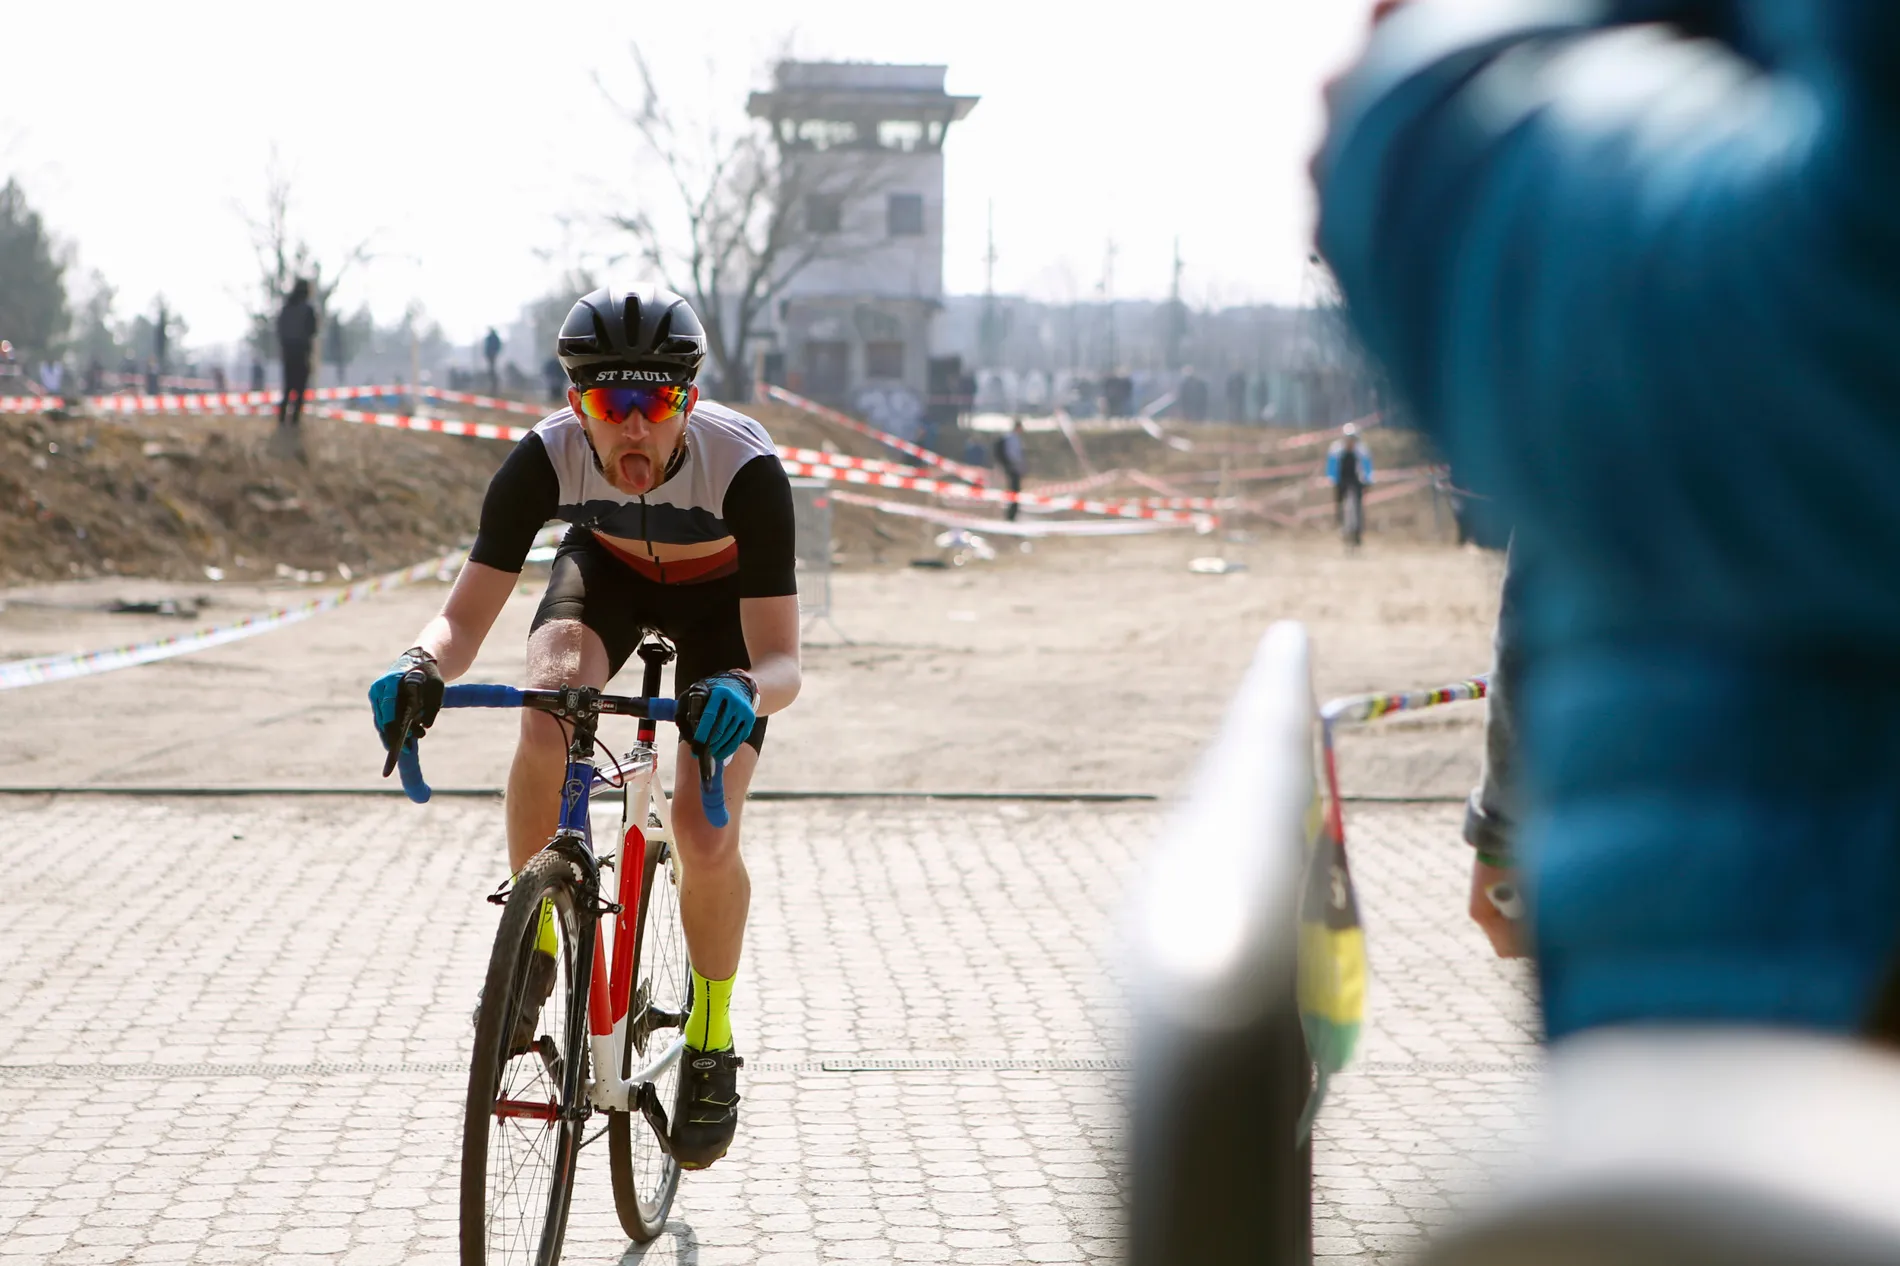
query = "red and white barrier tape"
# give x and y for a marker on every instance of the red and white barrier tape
(485, 402)
(969, 474)
(1100, 480)
(1005, 527)
(29, 404)
(1113, 509)
(439, 426)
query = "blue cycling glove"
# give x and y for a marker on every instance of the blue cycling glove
(412, 683)
(719, 712)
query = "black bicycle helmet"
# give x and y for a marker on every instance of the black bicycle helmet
(646, 334)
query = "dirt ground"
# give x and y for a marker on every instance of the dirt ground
(1098, 665)
(170, 496)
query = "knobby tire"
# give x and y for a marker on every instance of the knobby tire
(552, 1147)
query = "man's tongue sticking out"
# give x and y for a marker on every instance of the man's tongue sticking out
(636, 471)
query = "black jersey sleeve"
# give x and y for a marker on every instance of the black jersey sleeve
(523, 495)
(758, 511)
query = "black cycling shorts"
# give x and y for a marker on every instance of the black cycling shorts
(590, 585)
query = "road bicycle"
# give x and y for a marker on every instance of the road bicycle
(610, 1032)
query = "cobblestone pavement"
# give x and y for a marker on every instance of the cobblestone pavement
(234, 1031)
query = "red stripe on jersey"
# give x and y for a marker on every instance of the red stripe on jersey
(685, 571)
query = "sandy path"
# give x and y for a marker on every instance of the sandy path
(1098, 665)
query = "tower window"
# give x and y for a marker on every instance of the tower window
(905, 214)
(823, 213)
(884, 358)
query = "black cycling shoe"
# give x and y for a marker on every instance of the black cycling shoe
(536, 988)
(706, 1111)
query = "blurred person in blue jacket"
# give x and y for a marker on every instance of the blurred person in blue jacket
(1349, 470)
(1636, 266)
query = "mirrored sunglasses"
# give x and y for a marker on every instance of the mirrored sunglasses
(620, 404)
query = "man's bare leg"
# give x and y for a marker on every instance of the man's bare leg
(715, 890)
(560, 653)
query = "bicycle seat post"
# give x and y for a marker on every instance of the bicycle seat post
(655, 653)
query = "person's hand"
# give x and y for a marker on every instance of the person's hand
(718, 712)
(412, 683)
(1497, 906)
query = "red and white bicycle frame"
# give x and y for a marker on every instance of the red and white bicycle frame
(614, 1087)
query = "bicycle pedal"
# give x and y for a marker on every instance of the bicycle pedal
(655, 1113)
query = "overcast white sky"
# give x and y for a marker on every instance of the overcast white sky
(458, 138)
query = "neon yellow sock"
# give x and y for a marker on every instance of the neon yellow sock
(709, 1025)
(545, 939)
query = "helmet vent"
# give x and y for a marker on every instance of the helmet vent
(632, 319)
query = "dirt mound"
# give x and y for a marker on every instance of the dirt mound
(170, 496)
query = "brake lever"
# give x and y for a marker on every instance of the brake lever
(406, 718)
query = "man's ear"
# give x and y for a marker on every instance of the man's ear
(574, 400)
(692, 397)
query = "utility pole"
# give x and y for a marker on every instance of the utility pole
(1107, 289)
(1177, 317)
(990, 335)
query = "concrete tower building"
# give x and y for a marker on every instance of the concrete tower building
(862, 150)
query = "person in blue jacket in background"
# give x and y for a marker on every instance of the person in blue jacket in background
(1636, 266)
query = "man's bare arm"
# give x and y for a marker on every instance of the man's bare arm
(475, 599)
(771, 640)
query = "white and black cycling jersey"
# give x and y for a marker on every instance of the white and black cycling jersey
(728, 485)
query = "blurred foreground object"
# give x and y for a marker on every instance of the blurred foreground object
(1222, 1074)
(1707, 1147)
(1621, 275)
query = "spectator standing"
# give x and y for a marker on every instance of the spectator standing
(161, 344)
(1009, 455)
(95, 377)
(257, 375)
(296, 338)
(491, 348)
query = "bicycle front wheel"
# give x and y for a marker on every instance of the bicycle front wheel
(645, 1176)
(527, 1097)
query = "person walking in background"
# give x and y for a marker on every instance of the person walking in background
(491, 348)
(1009, 455)
(296, 338)
(1349, 468)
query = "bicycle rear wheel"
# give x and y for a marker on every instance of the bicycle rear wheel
(521, 1134)
(645, 1176)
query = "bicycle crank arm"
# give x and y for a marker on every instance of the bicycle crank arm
(618, 1096)
(655, 1112)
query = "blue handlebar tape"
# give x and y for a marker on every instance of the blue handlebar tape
(409, 765)
(660, 709)
(481, 696)
(712, 796)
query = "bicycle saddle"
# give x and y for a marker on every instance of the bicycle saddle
(1702, 1147)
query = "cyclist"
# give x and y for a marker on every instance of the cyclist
(1349, 469)
(682, 523)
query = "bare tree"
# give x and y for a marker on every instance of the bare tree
(746, 208)
(282, 258)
